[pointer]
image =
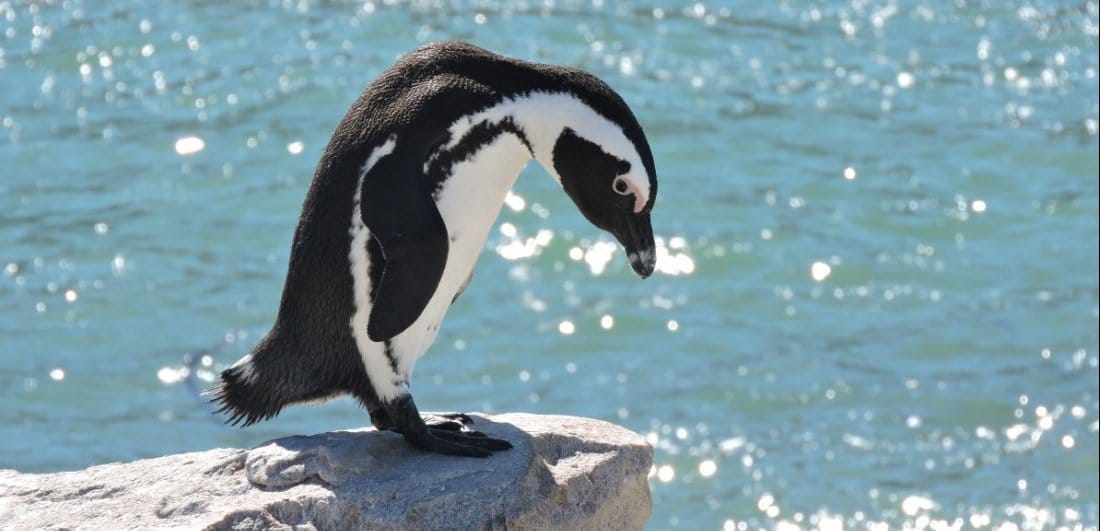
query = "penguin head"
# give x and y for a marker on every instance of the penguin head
(603, 162)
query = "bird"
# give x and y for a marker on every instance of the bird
(399, 208)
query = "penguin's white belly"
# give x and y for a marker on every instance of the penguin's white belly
(469, 201)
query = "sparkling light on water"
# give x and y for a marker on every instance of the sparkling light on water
(707, 468)
(189, 145)
(912, 505)
(172, 375)
(674, 264)
(514, 246)
(820, 271)
(118, 264)
(672, 256)
(599, 255)
(515, 202)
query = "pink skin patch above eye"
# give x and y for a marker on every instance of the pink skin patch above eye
(639, 201)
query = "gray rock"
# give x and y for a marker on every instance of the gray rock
(564, 473)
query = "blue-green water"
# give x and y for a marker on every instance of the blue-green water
(878, 303)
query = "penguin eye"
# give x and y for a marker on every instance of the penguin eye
(620, 186)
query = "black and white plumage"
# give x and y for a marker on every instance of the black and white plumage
(399, 209)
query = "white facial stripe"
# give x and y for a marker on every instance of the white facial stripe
(386, 383)
(543, 116)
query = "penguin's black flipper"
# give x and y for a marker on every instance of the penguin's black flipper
(398, 209)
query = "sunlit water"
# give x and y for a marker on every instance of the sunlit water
(876, 303)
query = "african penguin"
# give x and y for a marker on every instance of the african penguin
(399, 209)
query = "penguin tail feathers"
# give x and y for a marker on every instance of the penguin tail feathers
(242, 396)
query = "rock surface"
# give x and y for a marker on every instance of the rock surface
(564, 473)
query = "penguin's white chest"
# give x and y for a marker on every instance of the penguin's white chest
(469, 201)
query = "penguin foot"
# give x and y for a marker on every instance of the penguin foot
(441, 434)
(380, 418)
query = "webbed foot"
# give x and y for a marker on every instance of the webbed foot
(439, 433)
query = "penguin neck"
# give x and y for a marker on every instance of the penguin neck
(535, 118)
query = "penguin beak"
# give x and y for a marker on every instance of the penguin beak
(636, 236)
